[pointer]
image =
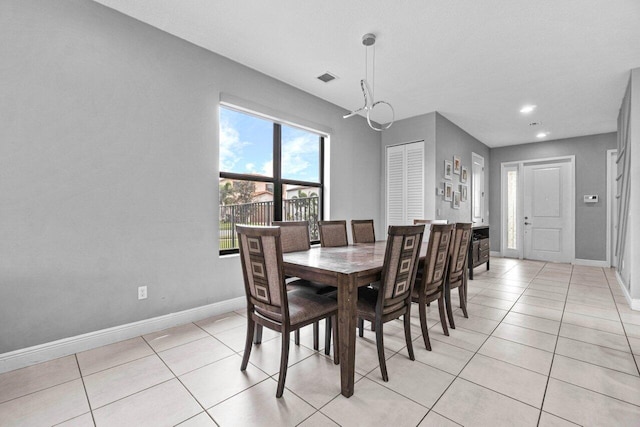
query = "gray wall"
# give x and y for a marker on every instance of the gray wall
(631, 271)
(109, 169)
(451, 141)
(590, 176)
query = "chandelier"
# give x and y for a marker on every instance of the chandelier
(369, 40)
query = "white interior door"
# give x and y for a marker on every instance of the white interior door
(548, 213)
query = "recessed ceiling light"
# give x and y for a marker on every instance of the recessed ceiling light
(527, 109)
(542, 134)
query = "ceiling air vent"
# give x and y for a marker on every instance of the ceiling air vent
(326, 77)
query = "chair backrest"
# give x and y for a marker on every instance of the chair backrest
(459, 250)
(294, 235)
(333, 233)
(399, 270)
(430, 221)
(261, 258)
(362, 231)
(437, 260)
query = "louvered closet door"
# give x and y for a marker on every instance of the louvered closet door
(405, 183)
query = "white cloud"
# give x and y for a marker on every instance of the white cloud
(230, 146)
(267, 168)
(295, 155)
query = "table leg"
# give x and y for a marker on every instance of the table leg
(347, 298)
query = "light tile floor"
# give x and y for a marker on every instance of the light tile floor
(545, 344)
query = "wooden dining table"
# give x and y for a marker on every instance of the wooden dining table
(347, 268)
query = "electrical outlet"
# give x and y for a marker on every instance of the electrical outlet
(142, 292)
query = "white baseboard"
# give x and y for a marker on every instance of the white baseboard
(591, 263)
(52, 350)
(495, 254)
(634, 303)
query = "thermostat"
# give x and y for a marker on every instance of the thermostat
(591, 198)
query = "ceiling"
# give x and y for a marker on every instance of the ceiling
(475, 62)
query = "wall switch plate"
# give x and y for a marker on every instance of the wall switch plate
(142, 292)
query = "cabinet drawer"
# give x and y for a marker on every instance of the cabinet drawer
(484, 244)
(483, 256)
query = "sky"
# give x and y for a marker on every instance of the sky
(246, 146)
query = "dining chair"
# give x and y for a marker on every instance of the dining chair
(456, 277)
(431, 275)
(294, 236)
(362, 231)
(333, 233)
(430, 221)
(393, 298)
(268, 302)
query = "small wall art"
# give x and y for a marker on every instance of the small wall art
(463, 174)
(463, 192)
(456, 200)
(448, 191)
(448, 168)
(456, 165)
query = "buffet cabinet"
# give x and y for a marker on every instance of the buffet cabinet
(479, 248)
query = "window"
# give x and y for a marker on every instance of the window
(269, 172)
(512, 211)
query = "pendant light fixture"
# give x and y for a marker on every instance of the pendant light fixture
(369, 40)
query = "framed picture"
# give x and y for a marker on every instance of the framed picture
(448, 169)
(448, 191)
(456, 165)
(456, 200)
(463, 174)
(463, 192)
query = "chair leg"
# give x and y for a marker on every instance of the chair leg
(407, 335)
(443, 320)
(373, 327)
(463, 300)
(248, 342)
(296, 336)
(327, 335)
(336, 342)
(360, 327)
(422, 309)
(316, 339)
(447, 300)
(258, 334)
(284, 361)
(380, 345)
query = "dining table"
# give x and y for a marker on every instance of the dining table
(346, 268)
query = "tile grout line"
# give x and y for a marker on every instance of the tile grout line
(463, 368)
(546, 387)
(623, 327)
(75, 356)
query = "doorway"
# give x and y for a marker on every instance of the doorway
(538, 209)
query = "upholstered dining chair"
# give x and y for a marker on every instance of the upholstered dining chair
(333, 233)
(456, 277)
(362, 231)
(393, 298)
(268, 302)
(294, 236)
(430, 279)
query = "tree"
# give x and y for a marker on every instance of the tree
(226, 193)
(243, 191)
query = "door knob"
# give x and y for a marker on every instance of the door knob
(527, 223)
